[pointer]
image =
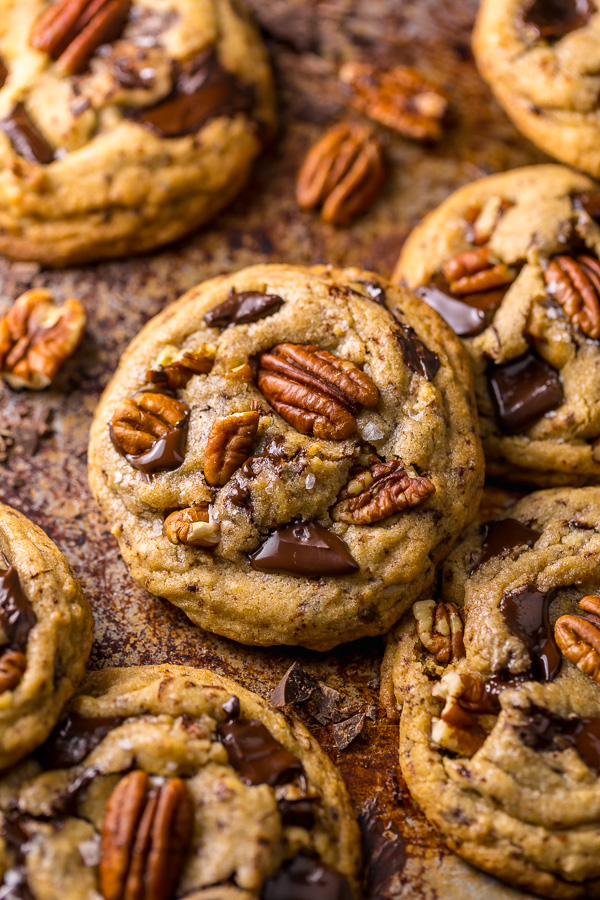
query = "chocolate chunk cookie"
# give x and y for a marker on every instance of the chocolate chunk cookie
(542, 60)
(167, 781)
(511, 262)
(285, 460)
(123, 124)
(498, 678)
(45, 635)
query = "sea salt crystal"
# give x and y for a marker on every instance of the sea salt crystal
(310, 481)
(371, 432)
(90, 851)
(125, 744)
(118, 477)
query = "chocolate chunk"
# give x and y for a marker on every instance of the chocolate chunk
(346, 732)
(3, 73)
(256, 755)
(133, 73)
(590, 202)
(25, 138)
(553, 19)
(73, 739)
(305, 549)
(465, 320)
(16, 612)
(526, 613)
(231, 708)
(295, 686)
(547, 731)
(165, 454)
(297, 813)
(384, 853)
(305, 878)
(419, 358)
(500, 537)
(239, 309)
(16, 839)
(66, 803)
(325, 708)
(375, 291)
(523, 390)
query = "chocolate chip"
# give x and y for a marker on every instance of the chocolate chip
(16, 612)
(500, 537)
(384, 853)
(239, 309)
(553, 19)
(346, 732)
(306, 549)
(25, 138)
(305, 878)
(545, 730)
(297, 813)
(295, 686)
(73, 739)
(256, 755)
(526, 613)
(523, 390)
(465, 320)
(231, 708)
(419, 358)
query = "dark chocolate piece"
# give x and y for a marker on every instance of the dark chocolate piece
(590, 202)
(305, 878)
(384, 853)
(3, 73)
(239, 309)
(25, 138)
(523, 390)
(305, 549)
(325, 708)
(16, 612)
(553, 19)
(295, 686)
(526, 613)
(73, 739)
(297, 813)
(547, 731)
(256, 755)
(165, 454)
(67, 802)
(419, 358)
(465, 320)
(16, 838)
(344, 733)
(231, 708)
(505, 535)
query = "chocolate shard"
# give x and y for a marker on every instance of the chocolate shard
(306, 549)
(419, 358)
(295, 686)
(16, 612)
(324, 704)
(73, 739)
(232, 708)
(25, 138)
(384, 853)
(256, 755)
(465, 320)
(526, 613)
(298, 813)
(306, 878)
(523, 390)
(239, 309)
(344, 733)
(503, 536)
(545, 730)
(553, 19)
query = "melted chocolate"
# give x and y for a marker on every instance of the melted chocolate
(239, 309)
(465, 320)
(67, 803)
(305, 549)
(523, 390)
(547, 731)
(419, 358)
(527, 615)
(3, 73)
(204, 90)
(25, 138)
(297, 813)
(231, 708)
(553, 19)
(73, 739)
(16, 612)
(505, 535)
(590, 202)
(239, 495)
(384, 853)
(16, 838)
(165, 454)
(305, 878)
(256, 755)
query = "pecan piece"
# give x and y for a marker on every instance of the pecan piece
(138, 422)
(474, 271)
(579, 638)
(229, 445)
(458, 729)
(575, 284)
(315, 391)
(145, 835)
(192, 526)
(174, 367)
(401, 98)
(12, 667)
(37, 336)
(482, 220)
(72, 30)
(342, 173)
(440, 628)
(379, 492)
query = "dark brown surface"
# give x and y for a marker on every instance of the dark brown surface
(43, 437)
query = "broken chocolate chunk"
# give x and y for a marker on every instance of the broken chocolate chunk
(500, 537)
(16, 612)
(553, 19)
(73, 739)
(590, 202)
(465, 320)
(324, 704)
(231, 708)
(298, 813)
(527, 614)
(523, 390)
(239, 309)
(546, 730)
(306, 549)
(295, 686)
(384, 853)
(419, 358)
(3, 73)
(305, 878)
(256, 755)
(346, 732)
(25, 138)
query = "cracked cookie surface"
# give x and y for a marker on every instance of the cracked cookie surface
(499, 729)
(45, 635)
(124, 125)
(542, 62)
(253, 801)
(320, 461)
(511, 261)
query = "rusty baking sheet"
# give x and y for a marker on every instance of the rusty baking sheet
(43, 438)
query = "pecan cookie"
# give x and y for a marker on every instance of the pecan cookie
(498, 678)
(124, 124)
(45, 635)
(170, 781)
(542, 61)
(283, 459)
(511, 262)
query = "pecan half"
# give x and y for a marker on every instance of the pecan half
(145, 835)
(342, 173)
(174, 367)
(440, 628)
(72, 30)
(192, 526)
(379, 492)
(315, 391)
(141, 420)
(12, 667)
(579, 638)
(474, 271)
(591, 606)
(575, 283)
(37, 336)
(229, 445)
(401, 98)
